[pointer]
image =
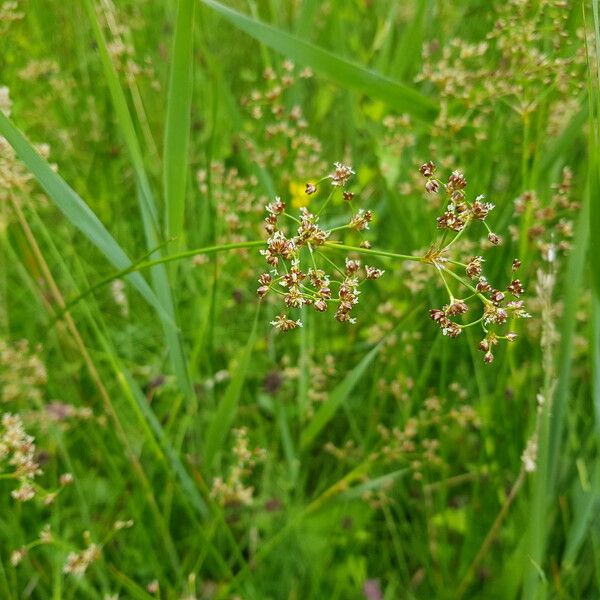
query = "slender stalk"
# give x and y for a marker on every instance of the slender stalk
(369, 252)
(146, 264)
(491, 535)
(466, 284)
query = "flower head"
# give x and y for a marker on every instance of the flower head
(341, 174)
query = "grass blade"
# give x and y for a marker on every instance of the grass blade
(177, 128)
(348, 74)
(337, 397)
(75, 209)
(357, 492)
(411, 42)
(228, 405)
(587, 503)
(191, 491)
(563, 144)
(594, 143)
(147, 204)
(143, 263)
(553, 421)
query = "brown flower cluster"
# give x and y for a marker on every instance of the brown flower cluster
(459, 212)
(282, 138)
(548, 225)
(234, 489)
(513, 65)
(236, 199)
(500, 306)
(17, 453)
(300, 272)
(302, 275)
(22, 373)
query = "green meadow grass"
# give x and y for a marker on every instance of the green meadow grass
(336, 511)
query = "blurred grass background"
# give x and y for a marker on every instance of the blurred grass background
(392, 464)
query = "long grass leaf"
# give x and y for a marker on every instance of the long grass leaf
(126, 126)
(553, 417)
(186, 482)
(344, 72)
(563, 144)
(594, 158)
(75, 209)
(411, 42)
(177, 128)
(336, 398)
(585, 511)
(147, 204)
(228, 405)
(575, 268)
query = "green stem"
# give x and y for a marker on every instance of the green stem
(450, 294)
(336, 246)
(326, 202)
(456, 238)
(466, 284)
(472, 323)
(138, 266)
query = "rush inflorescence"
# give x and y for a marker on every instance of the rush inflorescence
(302, 273)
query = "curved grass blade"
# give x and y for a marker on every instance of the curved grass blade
(75, 209)
(160, 280)
(191, 491)
(344, 72)
(142, 263)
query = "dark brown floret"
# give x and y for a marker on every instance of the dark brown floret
(450, 220)
(458, 307)
(480, 210)
(437, 314)
(515, 288)
(497, 296)
(483, 286)
(373, 273)
(265, 284)
(427, 169)
(432, 186)
(474, 267)
(456, 181)
(494, 239)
